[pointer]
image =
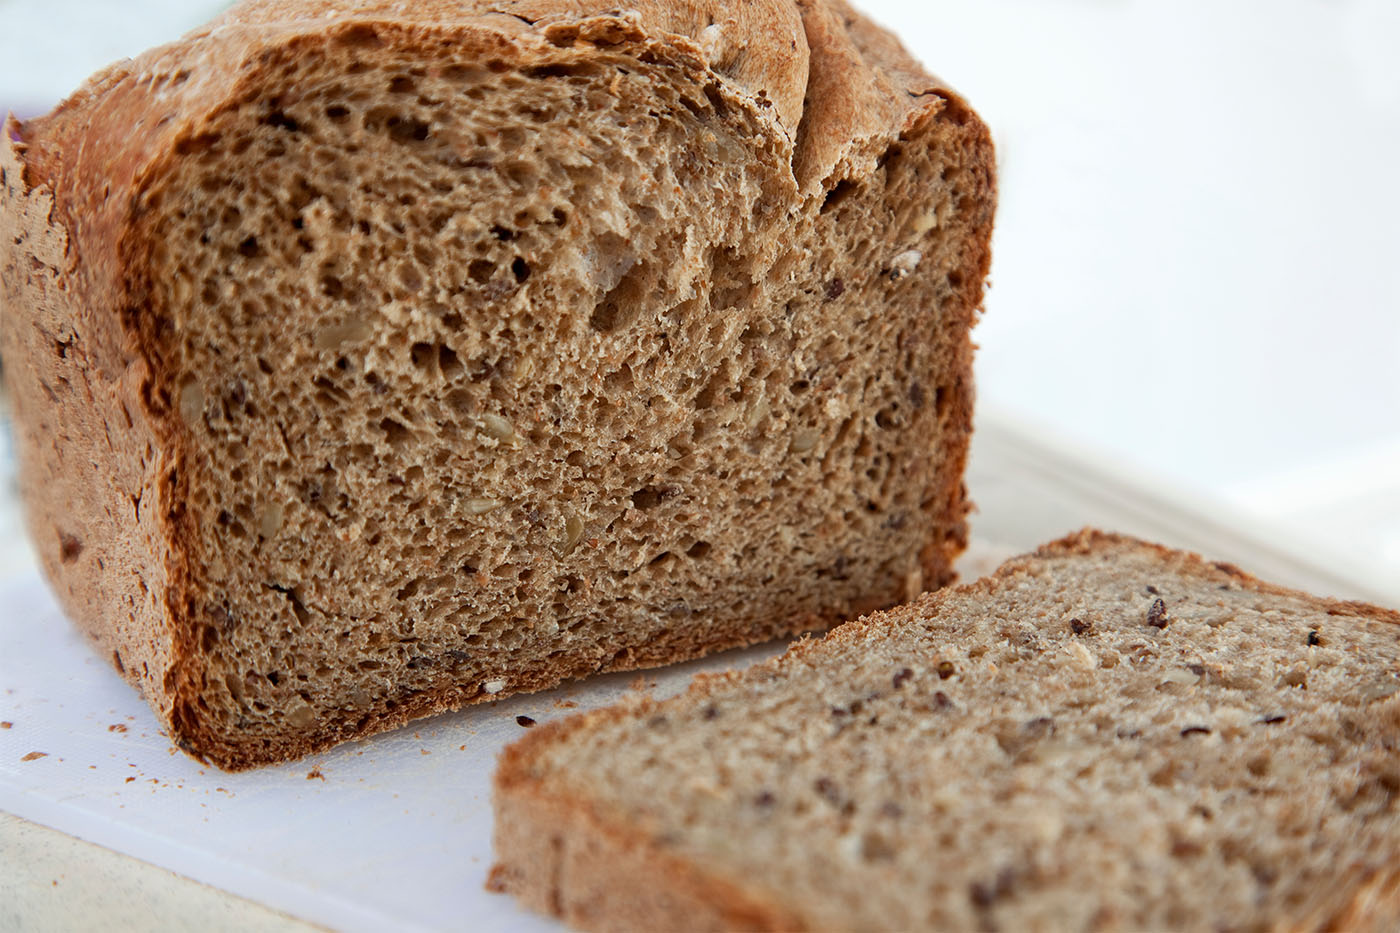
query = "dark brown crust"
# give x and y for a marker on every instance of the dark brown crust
(529, 808)
(131, 588)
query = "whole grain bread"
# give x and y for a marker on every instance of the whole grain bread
(374, 358)
(1104, 735)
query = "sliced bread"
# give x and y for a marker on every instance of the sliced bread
(373, 358)
(1104, 735)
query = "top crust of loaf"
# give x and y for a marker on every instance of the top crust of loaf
(833, 82)
(545, 825)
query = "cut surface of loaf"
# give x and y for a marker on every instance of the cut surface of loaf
(1104, 735)
(370, 359)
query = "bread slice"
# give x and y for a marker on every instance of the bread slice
(372, 358)
(1104, 735)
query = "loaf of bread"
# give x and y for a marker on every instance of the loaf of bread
(373, 358)
(1105, 735)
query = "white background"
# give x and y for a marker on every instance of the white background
(1196, 272)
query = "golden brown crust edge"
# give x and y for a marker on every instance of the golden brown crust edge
(1373, 906)
(150, 620)
(529, 810)
(572, 862)
(93, 466)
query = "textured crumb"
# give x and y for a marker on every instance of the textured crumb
(1030, 752)
(478, 352)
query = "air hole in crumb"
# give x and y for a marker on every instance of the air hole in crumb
(560, 71)
(481, 270)
(280, 120)
(395, 432)
(650, 497)
(622, 304)
(890, 157)
(699, 550)
(619, 380)
(955, 279)
(521, 269)
(717, 386)
(840, 192)
(410, 278)
(407, 131)
(448, 362)
(712, 94)
(337, 112)
(424, 355)
(402, 85)
(249, 248)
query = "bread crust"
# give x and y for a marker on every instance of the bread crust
(115, 480)
(531, 808)
(597, 872)
(90, 455)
